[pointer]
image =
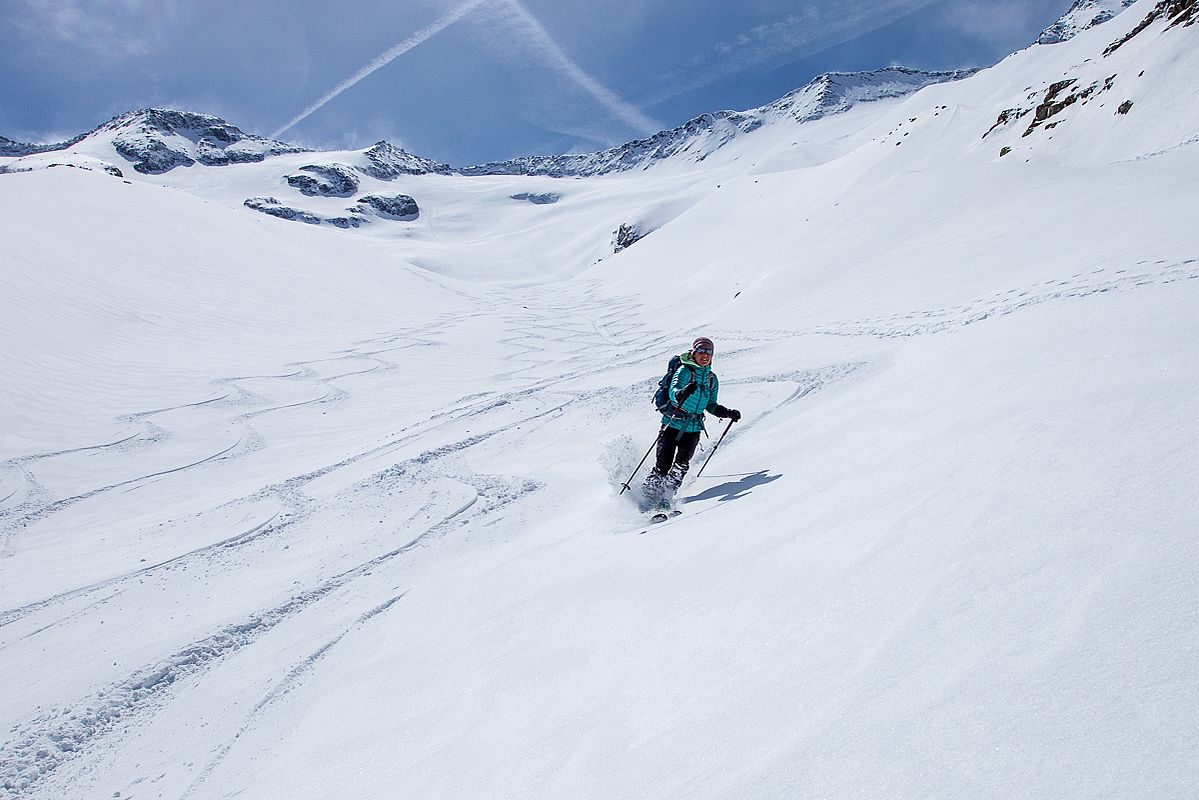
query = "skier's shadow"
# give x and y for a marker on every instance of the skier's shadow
(734, 490)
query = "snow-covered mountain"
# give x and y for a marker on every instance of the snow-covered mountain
(291, 510)
(159, 140)
(10, 148)
(155, 140)
(1083, 15)
(354, 189)
(697, 139)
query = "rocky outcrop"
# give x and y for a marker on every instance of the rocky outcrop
(1006, 116)
(110, 169)
(272, 206)
(89, 165)
(539, 199)
(1054, 103)
(151, 156)
(269, 205)
(332, 180)
(1055, 100)
(158, 140)
(1178, 12)
(400, 207)
(385, 162)
(352, 221)
(626, 236)
(12, 149)
(1083, 15)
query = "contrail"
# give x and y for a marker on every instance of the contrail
(798, 36)
(385, 59)
(609, 99)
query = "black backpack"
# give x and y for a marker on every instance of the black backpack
(662, 396)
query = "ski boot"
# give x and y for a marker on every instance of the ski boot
(674, 479)
(653, 488)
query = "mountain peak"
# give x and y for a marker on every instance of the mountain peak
(386, 161)
(834, 92)
(157, 140)
(1081, 16)
(699, 137)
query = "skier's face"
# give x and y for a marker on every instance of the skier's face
(702, 358)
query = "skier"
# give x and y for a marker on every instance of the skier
(693, 390)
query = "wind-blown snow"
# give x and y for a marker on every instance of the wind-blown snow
(288, 510)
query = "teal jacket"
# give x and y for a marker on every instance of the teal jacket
(690, 415)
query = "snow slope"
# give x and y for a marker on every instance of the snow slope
(289, 510)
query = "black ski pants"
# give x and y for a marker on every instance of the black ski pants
(675, 448)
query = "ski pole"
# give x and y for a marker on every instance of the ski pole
(718, 441)
(625, 486)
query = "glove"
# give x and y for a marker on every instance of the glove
(734, 415)
(687, 391)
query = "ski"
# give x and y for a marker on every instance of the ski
(662, 516)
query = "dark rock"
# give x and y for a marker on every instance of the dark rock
(386, 162)
(110, 169)
(1124, 107)
(401, 206)
(210, 152)
(1179, 12)
(626, 236)
(151, 156)
(158, 140)
(11, 149)
(333, 180)
(352, 221)
(540, 199)
(269, 205)
(1006, 116)
(1051, 106)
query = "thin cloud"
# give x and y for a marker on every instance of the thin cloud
(383, 60)
(617, 106)
(107, 29)
(796, 36)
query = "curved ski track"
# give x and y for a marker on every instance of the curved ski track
(555, 336)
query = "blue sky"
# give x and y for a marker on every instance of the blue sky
(466, 81)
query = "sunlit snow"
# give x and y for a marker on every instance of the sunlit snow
(292, 511)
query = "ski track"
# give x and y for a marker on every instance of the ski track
(561, 336)
(923, 323)
(41, 745)
(12, 615)
(43, 511)
(289, 682)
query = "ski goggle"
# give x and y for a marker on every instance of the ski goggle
(702, 351)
